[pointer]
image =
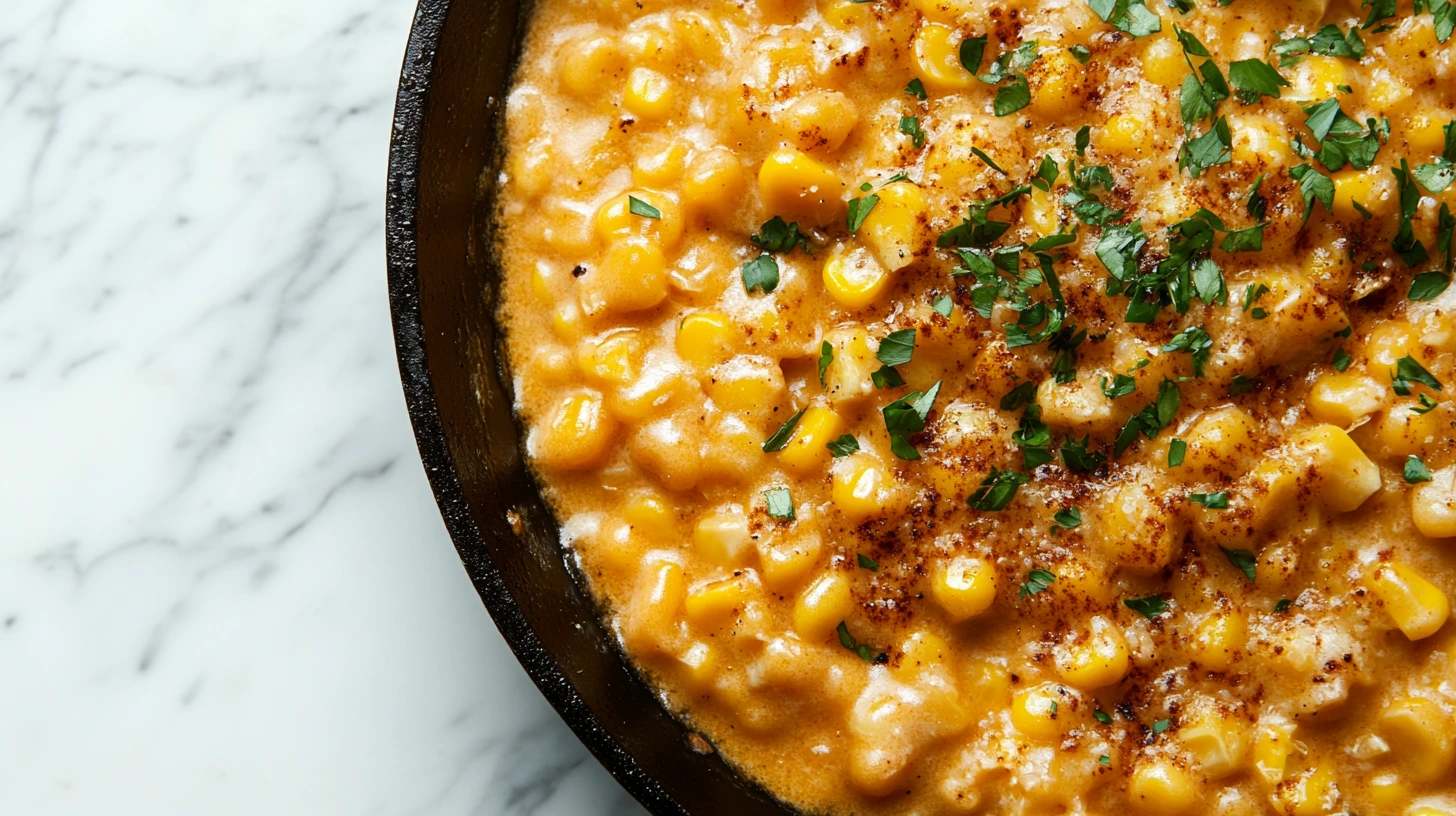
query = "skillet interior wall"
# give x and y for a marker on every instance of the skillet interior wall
(459, 68)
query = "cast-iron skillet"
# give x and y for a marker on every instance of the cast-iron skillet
(442, 171)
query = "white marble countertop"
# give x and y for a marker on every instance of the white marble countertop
(224, 586)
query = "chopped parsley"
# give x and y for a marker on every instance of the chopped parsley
(1038, 580)
(1128, 15)
(1021, 395)
(859, 210)
(1213, 148)
(910, 126)
(1076, 455)
(1161, 725)
(780, 503)
(826, 356)
(1342, 359)
(1416, 470)
(943, 305)
(1177, 449)
(1254, 78)
(1152, 418)
(996, 490)
(916, 88)
(1405, 243)
(1101, 716)
(1034, 439)
(1341, 139)
(1282, 605)
(1327, 42)
(1314, 186)
(1427, 286)
(1243, 559)
(897, 347)
(864, 651)
(761, 273)
(777, 235)
(1149, 607)
(1438, 175)
(637, 206)
(781, 437)
(905, 417)
(1066, 519)
(981, 154)
(1408, 373)
(865, 562)
(1196, 342)
(1212, 501)
(843, 446)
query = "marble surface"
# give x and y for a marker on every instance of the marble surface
(224, 586)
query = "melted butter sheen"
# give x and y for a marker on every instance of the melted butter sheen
(892, 649)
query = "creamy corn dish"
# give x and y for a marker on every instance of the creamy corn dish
(1030, 407)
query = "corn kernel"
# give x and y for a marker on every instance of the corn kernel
(1217, 743)
(631, 277)
(1056, 80)
(1420, 732)
(649, 95)
(862, 487)
(1405, 429)
(1041, 211)
(659, 161)
(577, 436)
(658, 389)
(1389, 342)
(822, 607)
(1136, 531)
(1272, 746)
(1312, 793)
(1318, 78)
(722, 536)
(1258, 143)
(820, 120)
(807, 451)
(1220, 444)
(653, 610)
(1388, 791)
(785, 563)
(963, 586)
(1098, 659)
(649, 513)
(1418, 607)
(699, 665)
(1219, 639)
(938, 61)
(1124, 134)
(793, 185)
(615, 357)
(1371, 189)
(1160, 787)
(670, 450)
(1342, 399)
(705, 338)
(1163, 62)
(848, 375)
(1034, 712)
(714, 184)
(943, 11)
(855, 280)
(893, 228)
(749, 386)
(1347, 475)
(710, 605)
(1433, 504)
(583, 64)
(615, 220)
(921, 653)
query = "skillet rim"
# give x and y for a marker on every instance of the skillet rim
(402, 203)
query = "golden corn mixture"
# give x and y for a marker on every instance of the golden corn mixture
(1029, 407)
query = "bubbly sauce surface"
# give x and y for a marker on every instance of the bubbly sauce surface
(1023, 408)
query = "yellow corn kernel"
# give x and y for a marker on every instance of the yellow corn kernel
(699, 664)
(1160, 787)
(1388, 791)
(705, 338)
(1419, 732)
(1099, 658)
(1272, 746)
(785, 563)
(748, 386)
(848, 375)
(1342, 399)
(658, 389)
(615, 220)
(1405, 429)
(1124, 133)
(722, 536)
(823, 606)
(714, 184)
(792, 184)
(1081, 580)
(732, 449)
(1218, 743)
(1079, 406)
(1427, 811)
(1041, 211)
(653, 610)
(577, 436)
(1258, 142)
(987, 686)
(649, 95)
(863, 487)
(670, 450)
(1433, 504)
(1056, 80)
(615, 357)
(820, 120)
(1319, 78)
(1389, 342)
(631, 277)
(648, 512)
(943, 11)
(846, 14)
(1418, 607)
(964, 586)
(583, 64)
(856, 279)
(1347, 476)
(922, 652)
(1163, 62)
(806, 452)
(938, 61)
(1136, 531)
(659, 161)
(1219, 639)
(566, 321)
(533, 169)
(1034, 712)
(710, 605)
(1425, 133)
(893, 228)
(1312, 792)
(1220, 444)
(1373, 189)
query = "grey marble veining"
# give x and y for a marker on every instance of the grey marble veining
(224, 586)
